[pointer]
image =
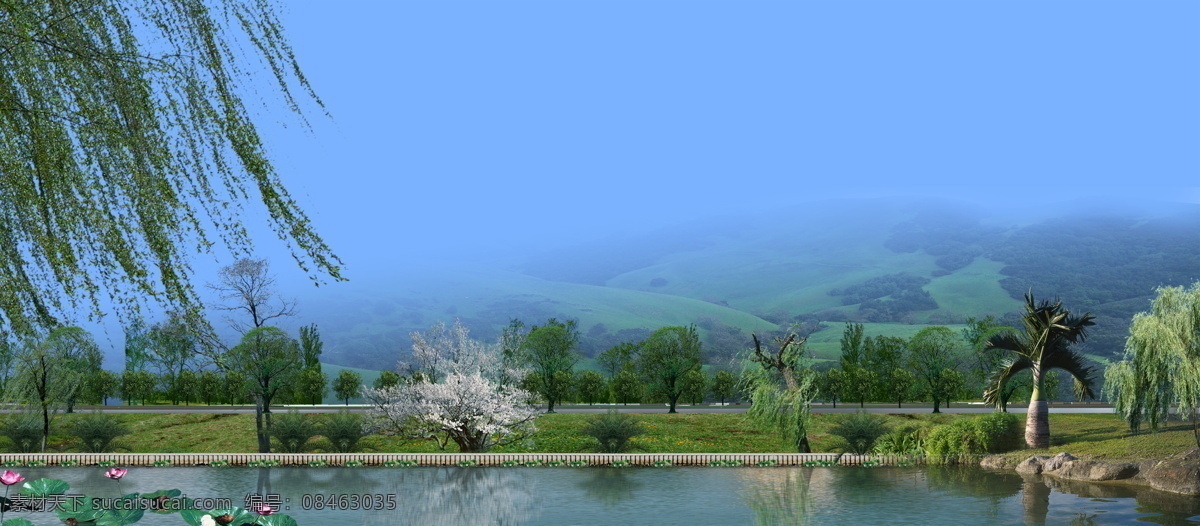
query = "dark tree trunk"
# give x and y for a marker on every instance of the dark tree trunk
(802, 445)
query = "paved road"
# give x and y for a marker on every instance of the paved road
(642, 408)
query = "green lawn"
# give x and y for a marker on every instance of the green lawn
(1088, 436)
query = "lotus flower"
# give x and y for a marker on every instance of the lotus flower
(116, 473)
(265, 509)
(208, 520)
(9, 478)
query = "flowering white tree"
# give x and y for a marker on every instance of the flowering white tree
(470, 398)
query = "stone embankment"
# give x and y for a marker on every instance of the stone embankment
(1178, 474)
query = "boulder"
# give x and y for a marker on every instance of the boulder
(1031, 465)
(1057, 461)
(1177, 474)
(1091, 470)
(998, 462)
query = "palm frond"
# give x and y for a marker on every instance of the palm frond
(1074, 364)
(1007, 341)
(991, 395)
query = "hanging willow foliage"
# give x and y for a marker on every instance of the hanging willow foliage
(125, 146)
(1161, 366)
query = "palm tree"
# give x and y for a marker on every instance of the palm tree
(1050, 330)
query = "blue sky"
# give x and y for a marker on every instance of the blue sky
(461, 125)
(462, 128)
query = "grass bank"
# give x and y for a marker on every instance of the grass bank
(1101, 437)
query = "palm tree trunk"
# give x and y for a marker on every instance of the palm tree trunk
(1037, 425)
(1037, 421)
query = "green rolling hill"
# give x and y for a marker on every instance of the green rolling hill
(896, 266)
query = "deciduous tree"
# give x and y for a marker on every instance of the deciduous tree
(591, 387)
(209, 387)
(172, 346)
(666, 357)
(466, 400)
(551, 351)
(247, 287)
(935, 354)
(387, 378)
(347, 385)
(100, 385)
(268, 360)
(626, 387)
(723, 386)
(311, 385)
(137, 386)
(618, 357)
(695, 385)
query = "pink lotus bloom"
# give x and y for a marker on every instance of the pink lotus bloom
(9, 478)
(116, 473)
(265, 509)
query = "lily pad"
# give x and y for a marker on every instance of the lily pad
(44, 487)
(240, 515)
(17, 522)
(169, 501)
(82, 509)
(277, 520)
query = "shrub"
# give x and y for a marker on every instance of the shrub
(96, 431)
(965, 439)
(25, 430)
(344, 429)
(905, 441)
(613, 431)
(859, 430)
(292, 430)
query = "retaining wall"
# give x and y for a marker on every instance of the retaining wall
(445, 459)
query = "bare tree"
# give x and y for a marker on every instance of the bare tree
(248, 286)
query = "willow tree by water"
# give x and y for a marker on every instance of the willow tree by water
(781, 388)
(1161, 367)
(127, 146)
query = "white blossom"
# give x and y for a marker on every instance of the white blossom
(468, 400)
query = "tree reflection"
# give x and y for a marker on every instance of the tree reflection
(970, 480)
(476, 496)
(779, 496)
(1035, 499)
(610, 486)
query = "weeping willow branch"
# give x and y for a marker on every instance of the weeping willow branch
(126, 146)
(1161, 366)
(781, 389)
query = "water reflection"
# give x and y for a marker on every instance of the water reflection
(1166, 508)
(1035, 499)
(779, 496)
(506, 496)
(610, 486)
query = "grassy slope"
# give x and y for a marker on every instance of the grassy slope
(495, 296)
(827, 342)
(1087, 436)
(764, 272)
(784, 267)
(973, 290)
(332, 371)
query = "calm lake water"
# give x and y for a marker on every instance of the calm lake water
(677, 495)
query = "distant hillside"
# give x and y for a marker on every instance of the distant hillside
(369, 326)
(895, 264)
